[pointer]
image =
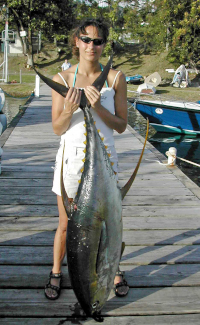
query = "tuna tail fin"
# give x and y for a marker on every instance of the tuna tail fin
(127, 186)
(61, 89)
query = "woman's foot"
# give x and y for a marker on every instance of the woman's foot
(53, 287)
(121, 287)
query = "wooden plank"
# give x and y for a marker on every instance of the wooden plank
(40, 190)
(27, 238)
(153, 217)
(5, 175)
(162, 200)
(170, 222)
(29, 182)
(136, 255)
(161, 237)
(163, 211)
(28, 210)
(129, 223)
(130, 237)
(171, 254)
(50, 198)
(49, 223)
(32, 173)
(29, 223)
(36, 276)
(139, 301)
(126, 320)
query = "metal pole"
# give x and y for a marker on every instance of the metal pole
(6, 45)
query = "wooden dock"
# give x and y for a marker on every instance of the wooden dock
(161, 216)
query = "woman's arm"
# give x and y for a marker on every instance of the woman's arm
(63, 108)
(118, 121)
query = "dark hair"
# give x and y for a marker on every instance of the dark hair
(102, 27)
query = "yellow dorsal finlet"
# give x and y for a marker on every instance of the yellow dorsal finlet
(84, 150)
(112, 163)
(85, 142)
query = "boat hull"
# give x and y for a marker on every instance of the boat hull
(3, 123)
(171, 117)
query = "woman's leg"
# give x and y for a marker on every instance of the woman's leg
(123, 287)
(60, 238)
(58, 251)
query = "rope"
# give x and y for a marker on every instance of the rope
(170, 164)
(188, 161)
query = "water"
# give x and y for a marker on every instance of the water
(188, 147)
(12, 106)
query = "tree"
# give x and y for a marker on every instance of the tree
(185, 38)
(51, 17)
(110, 10)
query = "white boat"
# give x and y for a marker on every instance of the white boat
(3, 118)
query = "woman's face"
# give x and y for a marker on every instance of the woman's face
(90, 50)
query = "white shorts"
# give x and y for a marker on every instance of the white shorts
(72, 166)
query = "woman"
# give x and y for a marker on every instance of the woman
(109, 110)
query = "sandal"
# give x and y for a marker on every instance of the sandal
(123, 283)
(53, 287)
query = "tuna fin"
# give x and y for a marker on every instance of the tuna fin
(99, 82)
(127, 186)
(61, 89)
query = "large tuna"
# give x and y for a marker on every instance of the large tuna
(94, 235)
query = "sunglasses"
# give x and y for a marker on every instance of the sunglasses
(88, 40)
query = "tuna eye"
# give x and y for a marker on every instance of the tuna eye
(95, 304)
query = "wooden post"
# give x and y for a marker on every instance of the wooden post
(37, 86)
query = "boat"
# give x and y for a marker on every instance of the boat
(3, 118)
(170, 116)
(3, 123)
(134, 79)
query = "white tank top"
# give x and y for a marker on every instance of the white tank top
(74, 136)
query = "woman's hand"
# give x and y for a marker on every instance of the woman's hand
(61, 117)
(72, 100)
(93, 95)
